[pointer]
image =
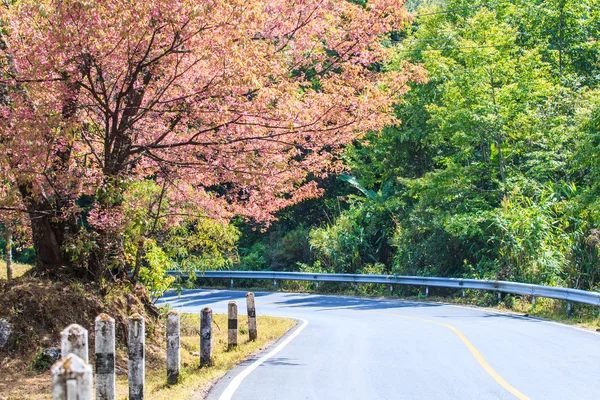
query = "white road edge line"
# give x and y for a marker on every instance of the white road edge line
(235, 383)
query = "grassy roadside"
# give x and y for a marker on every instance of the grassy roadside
(18, 269)
(194, 381)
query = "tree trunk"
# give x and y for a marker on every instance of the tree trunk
(9, 272)
(48, 240)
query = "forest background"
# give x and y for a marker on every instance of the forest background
(492, 172)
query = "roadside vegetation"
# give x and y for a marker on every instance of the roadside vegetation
(194, 382)
(460, 141)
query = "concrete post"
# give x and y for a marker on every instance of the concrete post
(105, 357)
(206, 337)
(317, 285)
(136, 364)
(463, 293)
(391, 290)
(232, 324)
(232, 283)
(533, 299)
(173, 347)
(275, 284)
(71, 379)
(426, 291)
(499, 297)
(252, 332)
(74, 339)
(355, 287)
(569, 310)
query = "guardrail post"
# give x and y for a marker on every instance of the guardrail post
(317, 285)
(105, 357)
(71, 379)
(463, 293)
(232, 283)
(355, 287)
(252, 332)
(426, 291)
(206, 337)
(499, 297)
(569, 310)
(173, 347)
(232, 324)
(74, 339)
(533, 302)
(391, 290)
(275, 284)
(136, 352)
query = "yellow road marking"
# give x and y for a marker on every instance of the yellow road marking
(476, 354)
(486, 366)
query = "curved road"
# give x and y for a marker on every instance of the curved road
(353, 348)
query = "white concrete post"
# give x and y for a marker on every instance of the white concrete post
(74, 339)
(232, 283)
(426, 291)
(105, 357)
(206, 337)
(275, 284)
(533, 299)
(463, 293)
(173, 347)
(252, 332)
(71, 379)
(391, 289)
(569, 310)
(317, 285)
(499, 297)
(232, 324)
(136, 351)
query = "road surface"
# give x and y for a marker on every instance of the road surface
(353, 348)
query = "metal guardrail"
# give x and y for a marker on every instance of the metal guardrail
(573, 295)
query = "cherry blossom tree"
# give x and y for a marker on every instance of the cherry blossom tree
(230, 106)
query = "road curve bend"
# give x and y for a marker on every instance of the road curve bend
(356, 348)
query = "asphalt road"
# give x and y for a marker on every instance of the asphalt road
(352, 348)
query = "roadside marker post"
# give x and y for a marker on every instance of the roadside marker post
(232, 324)
(173, 347)
(71, 379)
(137, 357)
(74, 339)
(252, 332)
(206, 337)
(105, 357)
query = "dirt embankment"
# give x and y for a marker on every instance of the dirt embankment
(38, 310)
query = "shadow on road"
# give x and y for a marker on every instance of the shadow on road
(327, 302)
(198, 298)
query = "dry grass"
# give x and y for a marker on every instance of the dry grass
(194, 381)
(18, 269)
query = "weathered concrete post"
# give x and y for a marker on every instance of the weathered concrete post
(391, 290)
(173, 347)
(317, 285)
(232, 283)
(136, 351)
(463, 293)
(206, 337)
(74, 339)
(71, 379)
(105, 357)
(426, 291)
(499, 297)
(533, 299)
(232, 324)
(569, 310)
(252, 332)
(275, 284)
